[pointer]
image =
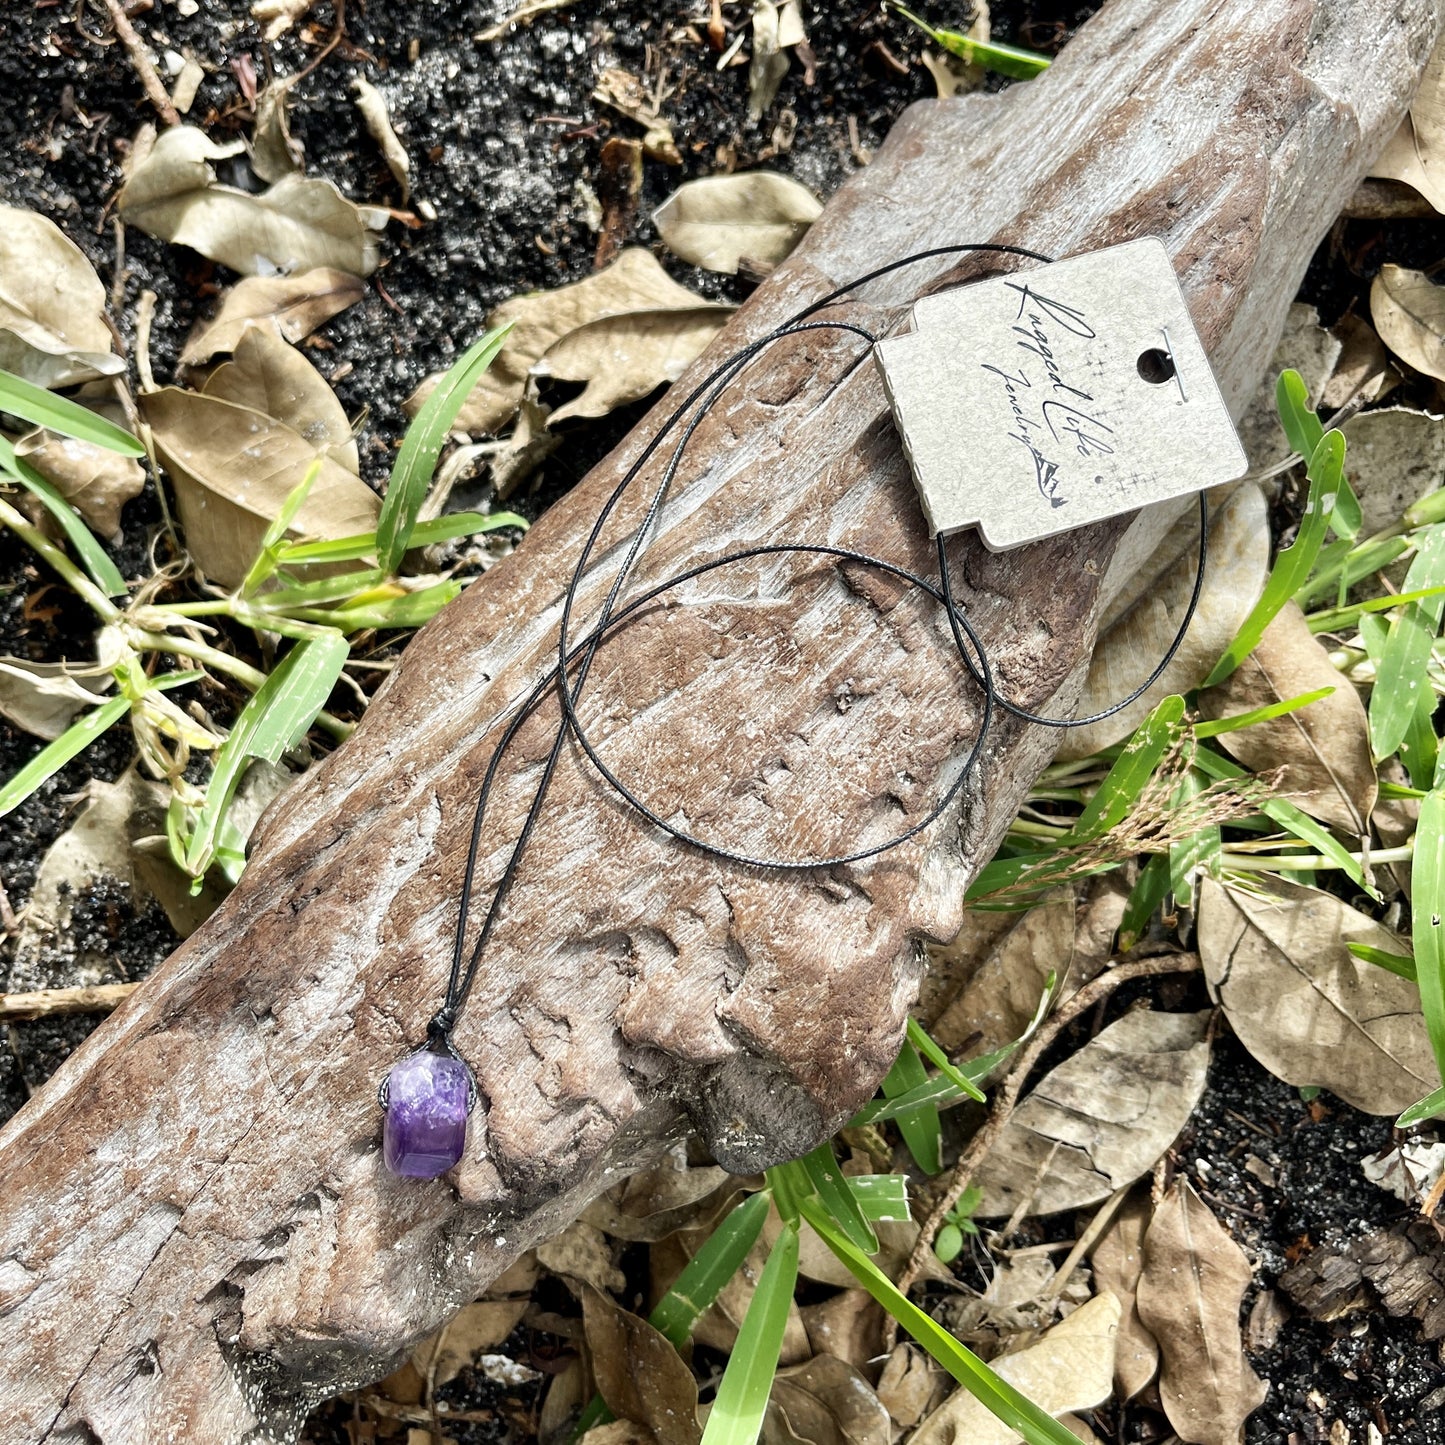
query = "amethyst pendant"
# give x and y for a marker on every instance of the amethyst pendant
(428, 1097)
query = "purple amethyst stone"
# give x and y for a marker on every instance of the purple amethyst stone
(426, 1115)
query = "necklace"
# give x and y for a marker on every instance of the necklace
(428, 1095)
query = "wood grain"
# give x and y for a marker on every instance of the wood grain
(197, 1238)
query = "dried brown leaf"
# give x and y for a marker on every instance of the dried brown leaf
(1393, 457)
(1189, 1295)
(1002, 995)
(372, 105)
(1101, 1119)
(52, 305)
(278, 16)
(1118, 1261)
(1323, 750)
(1142, 621)
(96, 846)
(269, 375)
(581, 1256)
(1416, 152)
(233, 467)
(633, 282)
(1408, 310)
(769, 60)
(720, 221)
(824, 1401)
(43, 697)
(1363, 372)
(654, 1203)
(847, 1325)
(626, 94)
(909, 1383)
(1021, 1298)
(293, 306)
(1069, 1367)
(639, 1374)
(295, 225)
(1303, 1005)
(274, 152)
(1306, 347)
(625, 358)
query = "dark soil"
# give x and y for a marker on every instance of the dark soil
(500, 137)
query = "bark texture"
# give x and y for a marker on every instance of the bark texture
(197, 1237)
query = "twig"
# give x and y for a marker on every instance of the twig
(8, 922)
(48, 1002)
(338, 34)
(140, 62)
(524, 14)
(1007, 1097)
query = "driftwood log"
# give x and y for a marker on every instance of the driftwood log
(197, 1237)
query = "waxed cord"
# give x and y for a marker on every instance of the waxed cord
(574, 658)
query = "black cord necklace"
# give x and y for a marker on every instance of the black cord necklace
(429, 1094)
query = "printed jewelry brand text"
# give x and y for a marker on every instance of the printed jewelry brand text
(1049, 418)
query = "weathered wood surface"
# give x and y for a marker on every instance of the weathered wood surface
(197, 1238)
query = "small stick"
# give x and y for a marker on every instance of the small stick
(51, 1002)
(1007, 1098)
(141, 63)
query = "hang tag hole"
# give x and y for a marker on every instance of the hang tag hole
(1156, 366)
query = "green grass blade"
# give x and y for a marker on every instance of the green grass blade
(1402, 675)
(439, 529)
(54, 756)
(1427, 898)
(323, 589)
(1430, 1107)
(1335, 619)
(921, 1128)
(1303, 827)
(58, 414)
(1293, 565)
(695, 1290)
(1396, 963)
(937, 1091)
(268, 555)
(1146, 895)
(1302, 428)
(464, 524)
(410, 610)
(1120, 790)
(736, 1417)
(1008, 60)
(1349, 566)
(1420, 748)
(881, 1197)
(417, 459)
(919, 1038)
(1016, 1410)
(826, 1177)
(273, 721)
(93, 557)
(1201, 849)
(1213, 728)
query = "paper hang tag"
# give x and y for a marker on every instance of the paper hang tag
(1056, 396)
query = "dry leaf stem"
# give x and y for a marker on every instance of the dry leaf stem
(1009, 1092)
(49, 1002)
(140, 62)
